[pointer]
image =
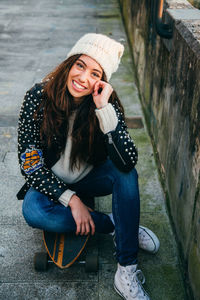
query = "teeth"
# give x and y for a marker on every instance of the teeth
(78, 86)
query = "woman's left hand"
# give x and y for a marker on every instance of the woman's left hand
(102, 93)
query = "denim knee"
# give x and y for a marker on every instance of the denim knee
(127, 177)
(31, 207)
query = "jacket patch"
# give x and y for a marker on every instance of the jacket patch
(31, 160)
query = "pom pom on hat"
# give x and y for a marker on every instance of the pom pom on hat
(104, 50)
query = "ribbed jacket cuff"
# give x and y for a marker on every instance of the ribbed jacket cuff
(107, 118)
(65, 197)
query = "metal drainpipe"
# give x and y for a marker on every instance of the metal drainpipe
(164, 30)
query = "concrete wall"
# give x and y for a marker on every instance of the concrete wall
(168, 74)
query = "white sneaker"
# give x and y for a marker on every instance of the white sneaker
(128, 285)
(148, 240)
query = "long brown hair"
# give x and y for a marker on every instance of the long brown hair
(58, 106)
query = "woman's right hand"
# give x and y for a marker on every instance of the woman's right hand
(82, 217)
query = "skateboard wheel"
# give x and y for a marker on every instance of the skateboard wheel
(91, 263)
(41, 261)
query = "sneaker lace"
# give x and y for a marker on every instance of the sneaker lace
(136, 279)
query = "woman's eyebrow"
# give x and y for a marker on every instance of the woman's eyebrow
(97, 71)
(86, 66)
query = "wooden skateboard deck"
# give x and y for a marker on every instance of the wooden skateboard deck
(64, 248)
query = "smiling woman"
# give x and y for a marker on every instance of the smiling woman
(73, 145)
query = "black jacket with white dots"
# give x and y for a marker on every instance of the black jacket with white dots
(36, 161)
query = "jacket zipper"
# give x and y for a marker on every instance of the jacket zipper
(110, 141)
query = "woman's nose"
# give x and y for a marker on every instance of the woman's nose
(83, 76)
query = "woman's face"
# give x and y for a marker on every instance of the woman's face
(82, 77)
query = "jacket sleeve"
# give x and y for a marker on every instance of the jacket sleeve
(120, 146)
(30, 150)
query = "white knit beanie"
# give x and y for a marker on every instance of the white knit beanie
(106, 51)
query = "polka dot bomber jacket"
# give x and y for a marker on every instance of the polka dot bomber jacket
(36, 161)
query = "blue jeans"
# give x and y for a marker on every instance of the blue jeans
(40, 212)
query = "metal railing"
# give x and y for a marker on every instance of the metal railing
(162, 29)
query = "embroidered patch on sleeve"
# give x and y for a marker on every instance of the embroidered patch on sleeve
(31, 160)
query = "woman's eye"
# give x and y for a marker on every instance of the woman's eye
(96, 75)
(79, 65)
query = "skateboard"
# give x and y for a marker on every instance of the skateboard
(63, 249)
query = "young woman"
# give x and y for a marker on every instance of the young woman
(74, 146)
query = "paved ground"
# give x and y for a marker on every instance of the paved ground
(35, 36)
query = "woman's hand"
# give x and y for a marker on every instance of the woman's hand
(82, 217)
(101, 94)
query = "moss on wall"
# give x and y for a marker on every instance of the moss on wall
(195, 3)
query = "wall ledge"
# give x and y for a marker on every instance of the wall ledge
(186, 20)
(174, 4)
(184, 13)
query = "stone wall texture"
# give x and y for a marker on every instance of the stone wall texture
(168, 72)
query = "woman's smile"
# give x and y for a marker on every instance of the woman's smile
(77, 86)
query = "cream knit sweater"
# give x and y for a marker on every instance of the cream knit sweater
(107, 121)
